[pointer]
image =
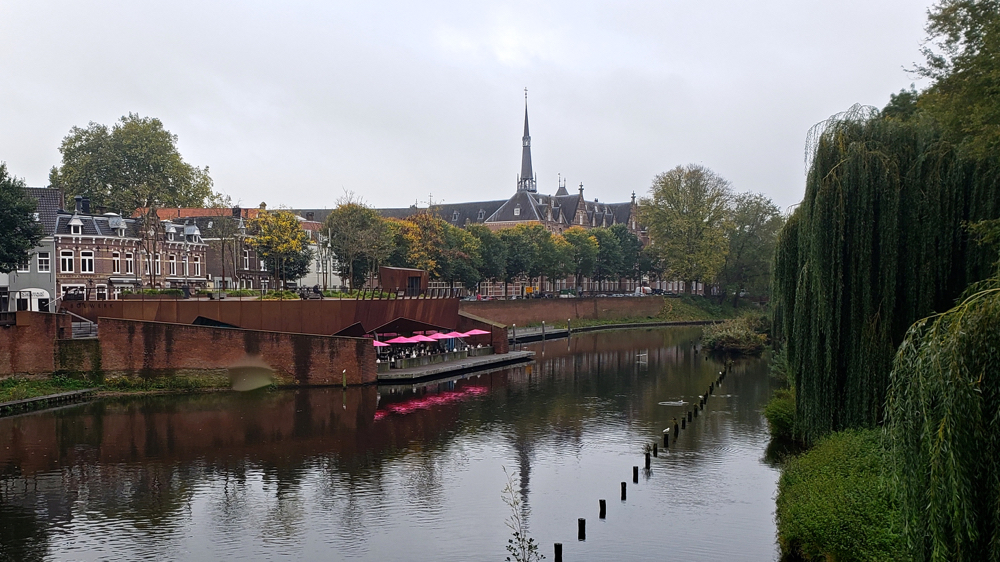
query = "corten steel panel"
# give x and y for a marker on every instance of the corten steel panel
(229, 312)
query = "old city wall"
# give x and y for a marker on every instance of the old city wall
(322, 317)
(130, 347)
(525, 312)
(27, 347)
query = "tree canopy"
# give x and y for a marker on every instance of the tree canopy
(280, 241)
(686, 214)
(21, 232)
(359, 238)
(752, 234)
(132, 165)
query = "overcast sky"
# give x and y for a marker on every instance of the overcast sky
(294, 102)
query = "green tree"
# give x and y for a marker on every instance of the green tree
(462, 258)
(686, 214)
(280, 241)
(608, 265)
(963, 59)
(133, 165)
(21, 232)
(492, 251)
(753, 232)
(522, 254)
(631, 252)
(582, 253)
(358, 237)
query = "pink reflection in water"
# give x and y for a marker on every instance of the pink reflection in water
(429, 401)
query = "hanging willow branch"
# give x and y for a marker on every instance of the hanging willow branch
(876, 244)
(943, 418)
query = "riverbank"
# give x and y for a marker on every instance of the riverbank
(20, 388)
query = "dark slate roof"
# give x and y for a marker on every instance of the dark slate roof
(522, 200)
(400, 213)
(95, 225)
(48, 201)
(318, 215)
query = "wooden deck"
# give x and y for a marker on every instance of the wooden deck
(456, 367)
(47, 401)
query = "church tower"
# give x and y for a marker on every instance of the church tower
(526, 180)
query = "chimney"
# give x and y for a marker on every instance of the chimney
(79, 200)
(85, 204)
(310, 216)
(236, 212)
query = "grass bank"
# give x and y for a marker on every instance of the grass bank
(686, 308)
(18, 388)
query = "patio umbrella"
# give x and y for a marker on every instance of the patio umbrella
(440, 336)
(401, 339)
(420, 337)
(475, 332)
(377, 343)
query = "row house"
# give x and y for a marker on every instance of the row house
(98, 257)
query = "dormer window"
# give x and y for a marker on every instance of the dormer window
(517, 211)
(121, 233)
(75, 229)
(454, 217)
(482, 214)
(170, 236)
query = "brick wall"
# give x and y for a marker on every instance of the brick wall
(533, 311)
(130, 347)
(27, 347)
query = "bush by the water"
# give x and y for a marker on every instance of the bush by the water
(780, 414)
(835, 502)
(736, 335)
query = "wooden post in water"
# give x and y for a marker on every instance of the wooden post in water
(604, 508)
(581, 524)
(689, 415)
(683, 423)
(647, 461)
(543, 330)
(623, 491)
(635, 474)
(558, 553)
(655, 454)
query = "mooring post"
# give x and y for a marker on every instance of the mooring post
(569, 327)
(558, 554)
(604, 508)
(647, 461)
(515, 334)
(683, 423)
(543, 330)
(635, 474)
(582, 525)
(689, 415)
(666, 438)
(345, 378)
(655, 454)
(623, 491)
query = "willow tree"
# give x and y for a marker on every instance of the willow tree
(943, 416)
(876, 244)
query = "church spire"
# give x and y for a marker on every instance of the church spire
(526, 180)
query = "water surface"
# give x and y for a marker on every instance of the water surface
(407, 473)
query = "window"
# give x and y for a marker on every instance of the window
(156, 263)
(517, 211)
(170, 236)
(24, 267)
(86, 262)
(454, 217)
(43, 262)
(129, 263)
(186, 270)
(171, 265)
(147, 265)
(482, 214)
(246, 259)
(74, 229)
(197, 266)
(263, 263)
(116, 262)
(66, 261)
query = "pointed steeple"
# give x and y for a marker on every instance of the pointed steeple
(526, 180)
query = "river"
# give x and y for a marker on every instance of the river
(408, 473)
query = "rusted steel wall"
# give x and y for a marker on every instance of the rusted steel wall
(533, 311)
(321, 317)
(130, 347)
(28, 346)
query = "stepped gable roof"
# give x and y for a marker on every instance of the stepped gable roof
(521, 200)
(48, 201)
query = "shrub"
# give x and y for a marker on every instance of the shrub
(780, 414)
(835, 502)
(736, 335)
(241, 293)
(280, 295)
(167, 292)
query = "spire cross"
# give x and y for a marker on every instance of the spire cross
(525, 93)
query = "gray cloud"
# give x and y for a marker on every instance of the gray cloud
(292, 102)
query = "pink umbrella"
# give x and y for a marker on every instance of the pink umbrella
(421, 337)
(476, 332)
(377, 343)
(455, 335)
(440, 336)
(401, 339)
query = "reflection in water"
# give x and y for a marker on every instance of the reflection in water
(405, 472)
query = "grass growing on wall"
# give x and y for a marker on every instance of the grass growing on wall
(19, 388)
(835, 502)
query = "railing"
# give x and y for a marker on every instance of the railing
(8, 318)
